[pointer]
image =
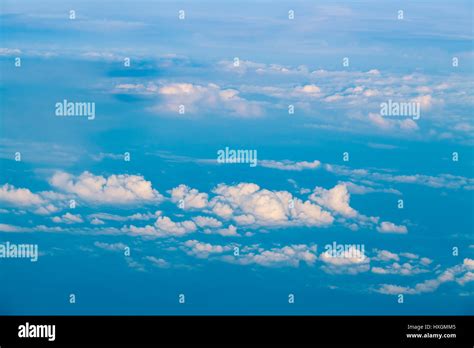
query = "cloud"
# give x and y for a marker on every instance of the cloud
(38, 228)
(203, 250)
(247, 204)
(120, 189)
(389, 227)
(210, 98)
(459, 273)
(4, 51)
(247, 66)
(447, 181)
(191, 198)
(133, 217)
(205, 221)
(406, 269)
(158, 262)
(411, 266)
(19, 197)
(468, 264)
(385, 255)
(362, 190)
(68, 218)
(22, 197)
(337, 199)
(163, 227)
(12, 228)
(390, 124)
(351, 261)
(230, 231)
(166, 225)
(111, 247)
(289, 165)
(96, 221)
(291, 255)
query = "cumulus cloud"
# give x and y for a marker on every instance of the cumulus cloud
(22, 197)
(385, 255)
(337, 199)
(351, 261)
(203, 250)
(209, 98)
(400, 269)
(404, 264)
(390, 227)
(205, 221)
(390, 124)
(19, 196)
(163, 227)
(248, 204)
(291, 255)
(115, 189)
(68, 218)
(230, 231)
(191, 198)
(459, 274)
(133, 217)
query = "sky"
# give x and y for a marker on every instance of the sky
(133, 212)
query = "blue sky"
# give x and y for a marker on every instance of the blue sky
(236, 67)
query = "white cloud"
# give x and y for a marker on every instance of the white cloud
(468, 263)
(390, 227)
(289, 165)
(163, 227)
(458, 273)
(192, 198)
(115, 189)
(166, 225)
(230, 231)
(133, 217)
(197, 98)
(337, 199)
(350, 261)
(406, 269)
(290, 255)
(39, 228)
(385, 255)
(409, 255)
(389, 124)
(362, 190)
(158, 262)
(22, 197)
(448, 181)
(203, 250)
(205, 221)
(19, 196)
(68, 218)
(111, 246)
(247, 204)
(96, 221)
(4, 51)
(12, 228)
